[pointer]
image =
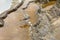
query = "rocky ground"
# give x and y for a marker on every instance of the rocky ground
(12, 29)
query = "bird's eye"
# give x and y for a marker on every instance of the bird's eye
(5, 5)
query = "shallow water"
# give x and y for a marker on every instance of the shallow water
(4, 5)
